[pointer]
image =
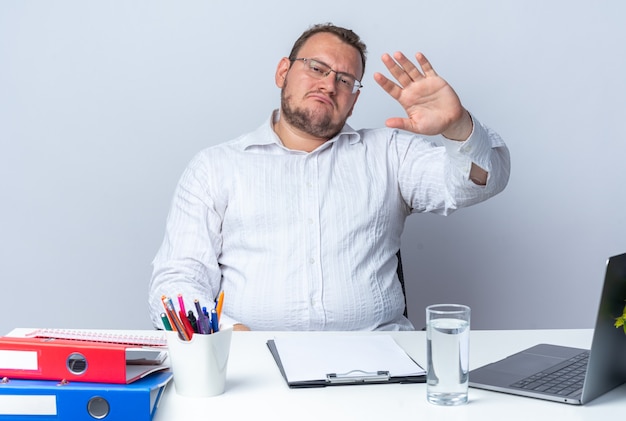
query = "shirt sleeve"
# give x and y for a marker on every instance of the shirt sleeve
(436, 178)
(187, 261)
(477, 149)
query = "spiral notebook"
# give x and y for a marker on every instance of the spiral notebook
(145, 338)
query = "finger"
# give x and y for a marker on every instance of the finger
(397, 123)
(427, 68)
(388, 85)
(408, 66)
(398, 71)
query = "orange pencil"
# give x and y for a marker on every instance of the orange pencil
(167, 313)
(220, 303)
(171, 312)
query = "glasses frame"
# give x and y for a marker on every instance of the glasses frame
(338, 75)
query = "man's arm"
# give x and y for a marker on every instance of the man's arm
(461, 131)
(432, 106)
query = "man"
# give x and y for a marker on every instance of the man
(299, 221)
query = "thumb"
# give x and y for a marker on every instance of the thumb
(397, 123)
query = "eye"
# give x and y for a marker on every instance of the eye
(317, 68)
(346, 80)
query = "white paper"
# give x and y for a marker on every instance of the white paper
(313, 357)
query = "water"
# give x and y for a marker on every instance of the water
(448, 361)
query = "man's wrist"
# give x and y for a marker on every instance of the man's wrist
(462, 129)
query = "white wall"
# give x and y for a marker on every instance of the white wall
(103, 103)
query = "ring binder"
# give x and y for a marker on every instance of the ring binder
(365, 377)
(39, 400)
(81, 361)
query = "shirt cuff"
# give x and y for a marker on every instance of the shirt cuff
(476, 149)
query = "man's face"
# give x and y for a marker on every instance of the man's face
(318, 107)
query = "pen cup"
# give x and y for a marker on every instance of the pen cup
(447, 330)
(199, 365)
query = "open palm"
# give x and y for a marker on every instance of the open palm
(431, 104)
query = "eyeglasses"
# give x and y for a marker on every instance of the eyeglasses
(319, 70)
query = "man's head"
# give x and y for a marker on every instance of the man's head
(346, 35)
(320, 80)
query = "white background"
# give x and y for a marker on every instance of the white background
(103, 103)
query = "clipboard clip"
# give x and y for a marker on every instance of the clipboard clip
(352, 377)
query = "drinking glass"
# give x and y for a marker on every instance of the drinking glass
(447, 329)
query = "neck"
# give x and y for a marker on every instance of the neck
(295, 139)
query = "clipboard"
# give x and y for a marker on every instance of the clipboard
(329, 353)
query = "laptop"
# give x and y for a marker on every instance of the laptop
(536, 371)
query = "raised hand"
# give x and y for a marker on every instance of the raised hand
(431, 104)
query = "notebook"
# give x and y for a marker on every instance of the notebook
(534, 372)
(154, 338)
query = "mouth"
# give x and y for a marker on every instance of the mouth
(319, 97)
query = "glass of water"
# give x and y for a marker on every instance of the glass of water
(447, 328)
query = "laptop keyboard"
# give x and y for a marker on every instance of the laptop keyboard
(563, 379)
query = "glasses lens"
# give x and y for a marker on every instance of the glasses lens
(320, 70)
(346, 82)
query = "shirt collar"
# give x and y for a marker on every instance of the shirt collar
(265, 135)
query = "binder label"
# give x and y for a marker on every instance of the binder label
(18, 360)
(28, 405)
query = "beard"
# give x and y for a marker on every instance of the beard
(311, 122)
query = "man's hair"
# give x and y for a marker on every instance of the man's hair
(346, 35)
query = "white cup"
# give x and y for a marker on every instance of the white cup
(448, 327)
(199, 365)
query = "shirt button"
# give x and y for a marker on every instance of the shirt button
(311, 260)
(310, 221)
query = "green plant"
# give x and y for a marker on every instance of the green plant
(621, 320)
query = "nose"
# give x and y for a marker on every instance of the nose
(329, 82)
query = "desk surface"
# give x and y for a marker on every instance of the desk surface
(255, 387)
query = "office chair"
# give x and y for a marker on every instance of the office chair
(401, 279)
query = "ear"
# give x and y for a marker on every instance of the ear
(281, 71)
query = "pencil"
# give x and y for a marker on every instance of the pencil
(166, 322)
(220, 303)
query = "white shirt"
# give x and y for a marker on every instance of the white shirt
(307, 241)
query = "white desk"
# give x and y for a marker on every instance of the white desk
(255, 388)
